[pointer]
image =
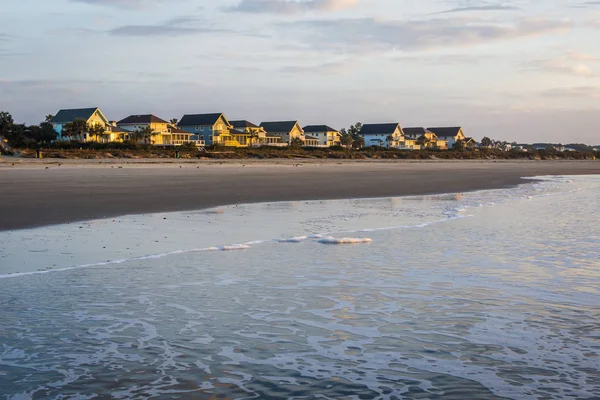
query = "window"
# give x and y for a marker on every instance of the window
(197, 128)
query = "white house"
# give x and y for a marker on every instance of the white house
(378, 134)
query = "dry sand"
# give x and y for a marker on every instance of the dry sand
(43, 192)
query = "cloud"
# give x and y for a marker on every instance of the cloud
(125, 4)
(291, 6)
(488, 7)
(379, 35)
(174, 27)
(330, 68)
(571, 63)
(591, 92)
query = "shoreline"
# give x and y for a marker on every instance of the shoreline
(45, 192)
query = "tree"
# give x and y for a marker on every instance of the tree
(459, 145)
(486, 142)
(354, 130)
(75, 130)
(98, 132)
(42, 133)
(389, 140)
(144, 135)
(423, 141)
(346, 139)
(254, 137)
(296, 143)
(49, 118)
(358, 142)
(174, 121)
(6, 123)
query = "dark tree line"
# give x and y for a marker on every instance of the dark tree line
(22, 135)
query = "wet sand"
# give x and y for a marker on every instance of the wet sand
(36, 193)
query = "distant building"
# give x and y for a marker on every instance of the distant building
(252, 135)
(430, 139)
(325, 135)
(92, 116)
(286, 130)
(210, 128)
(449, 134)
(138, 122)
(383, 135)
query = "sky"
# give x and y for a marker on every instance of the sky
(520, 70)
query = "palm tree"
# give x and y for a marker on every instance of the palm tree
(254, 137)
(389, 140)
(174, 121)
(144, 134)
(75, 130)
(49, 118)
(423, 141)
(98, 132)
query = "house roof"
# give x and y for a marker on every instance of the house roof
(278, 126)
(237, 132)
(71, 114)
(414, 131)
(318, 128)
(115, 129)
(142, 119)
(199, 119)
(445, 131)
(242, 123)
(369, 129)
(174, 129)
(310, 138)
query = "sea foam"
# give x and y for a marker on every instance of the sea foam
(332, 240)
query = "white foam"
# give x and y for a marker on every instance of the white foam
(332, 240)
(234, 247)
(296, 239)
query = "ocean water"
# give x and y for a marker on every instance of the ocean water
(484, 295)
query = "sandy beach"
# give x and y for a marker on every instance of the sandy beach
(45, 192)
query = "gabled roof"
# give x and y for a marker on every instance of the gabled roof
(446, 131)
(71, 114)
(242, 124)
(199, 119)
(115, 129)
(414, 131)
(142, 119)
(370, 129)
(278, 126)
(174, 129)
(318, 128)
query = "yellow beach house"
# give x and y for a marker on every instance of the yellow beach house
(286, 130)
(324, 135)
(163, 132)
(449, 134)
(425, 139)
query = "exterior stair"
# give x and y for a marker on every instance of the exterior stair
(4, 147)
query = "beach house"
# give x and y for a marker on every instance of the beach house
(211, 128)
(383, 135)
(138, 122)
(449, 134)
(286, 130)
(424, 138)
(92, 116)
(324, 134)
